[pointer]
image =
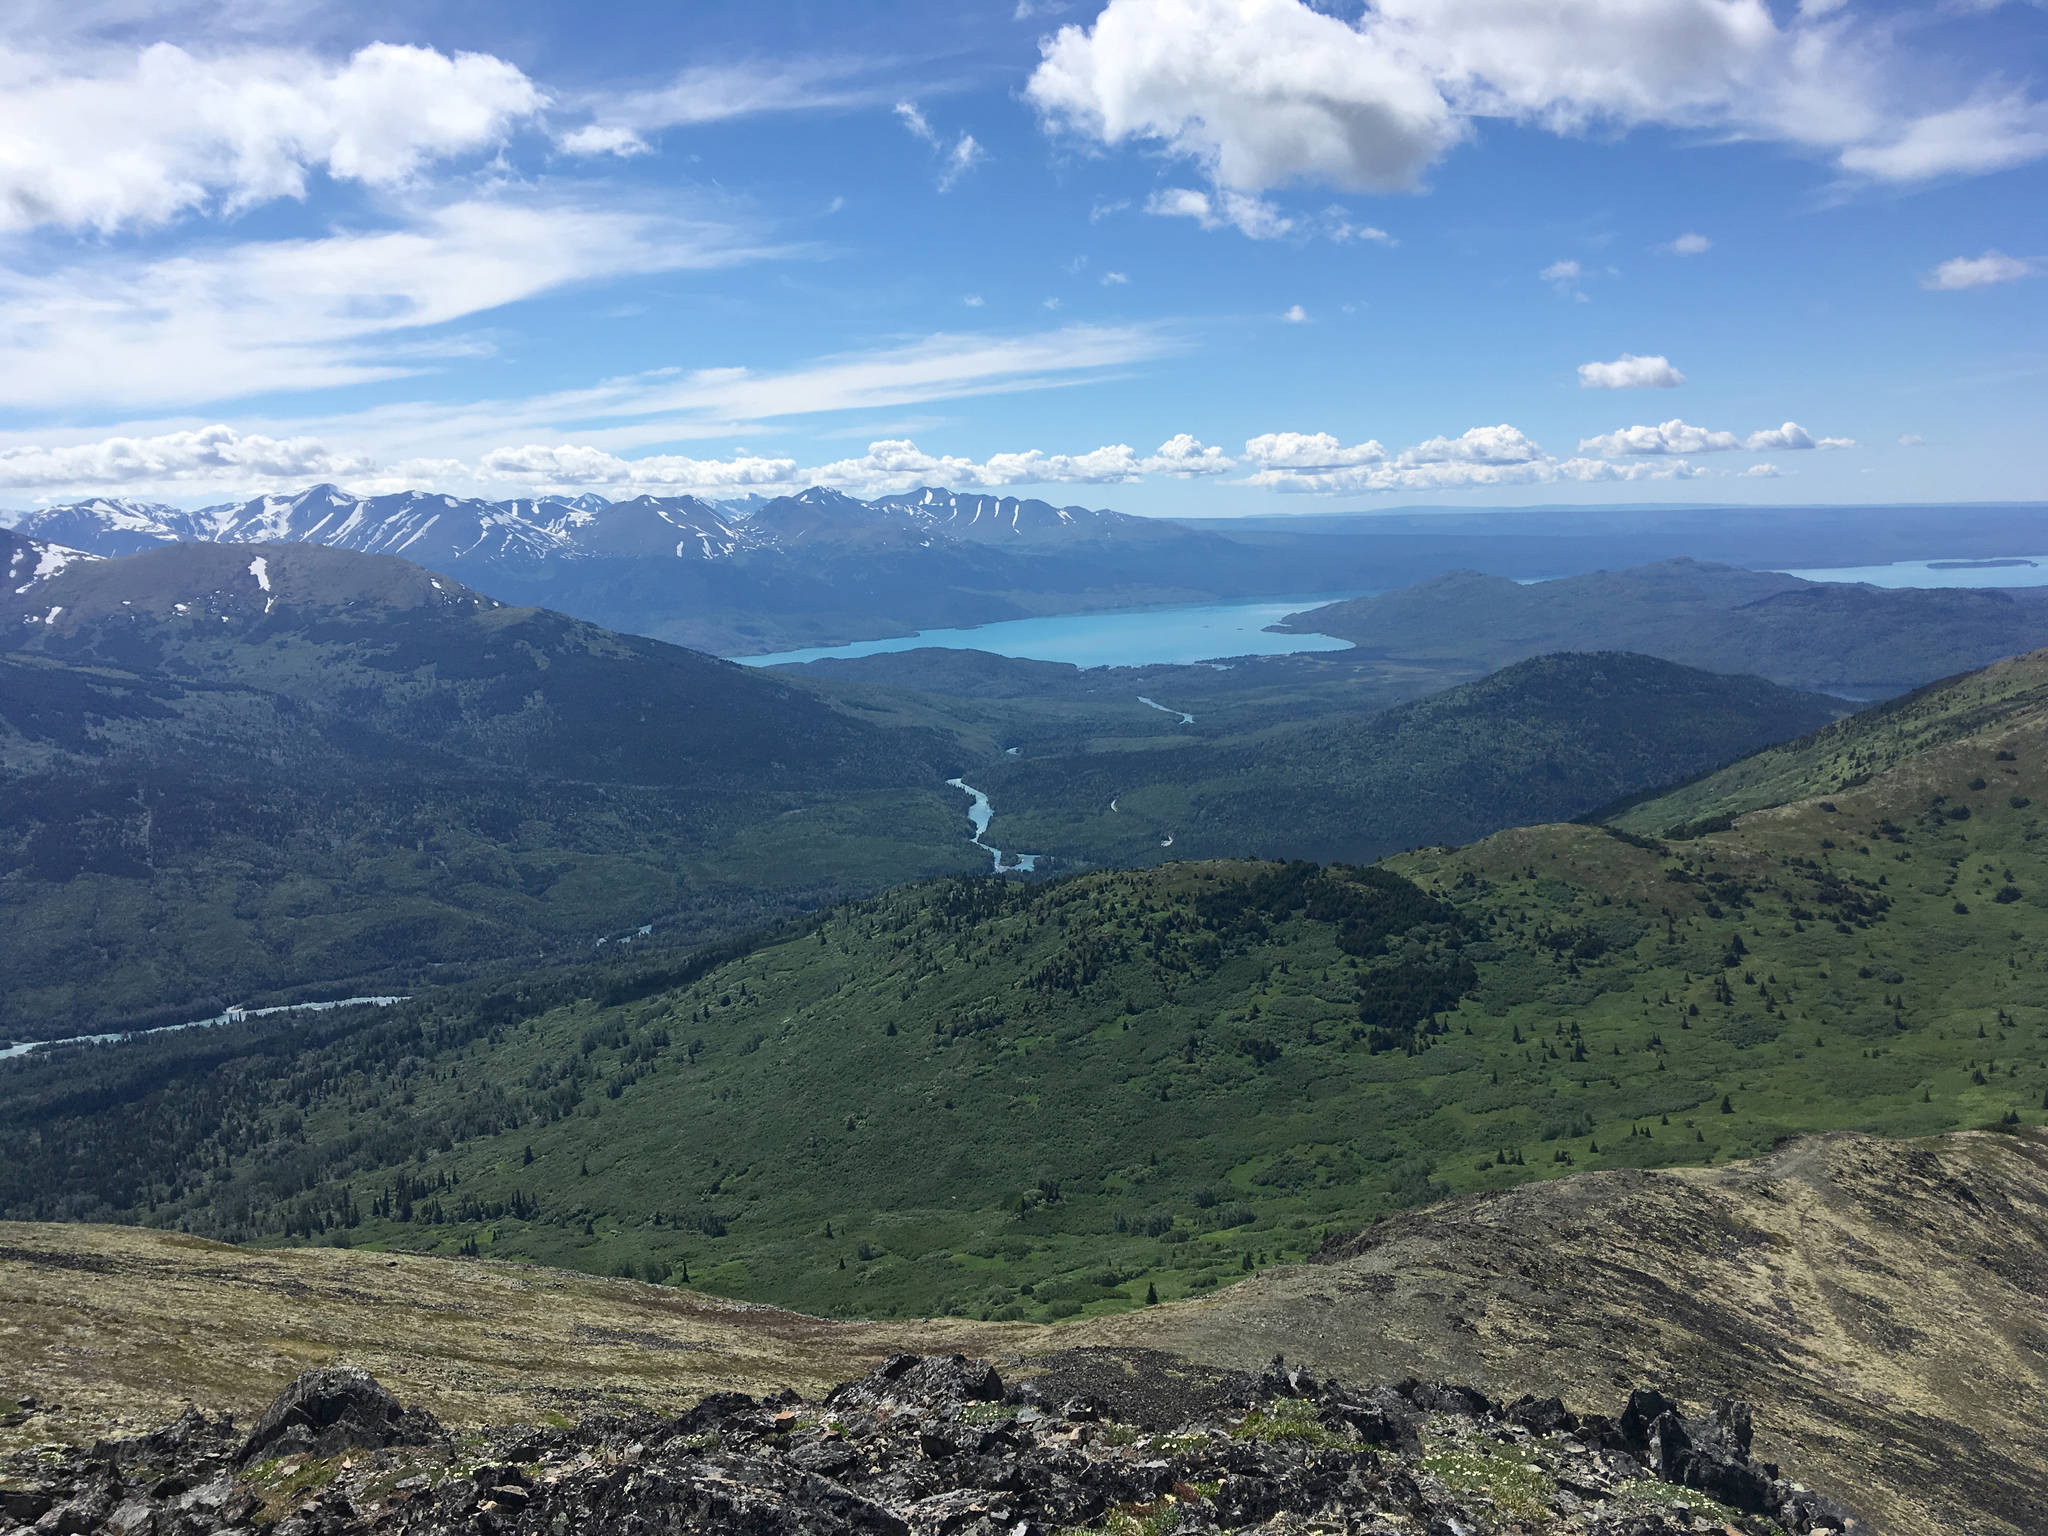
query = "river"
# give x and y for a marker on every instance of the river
(232, 1016)
(981, 813)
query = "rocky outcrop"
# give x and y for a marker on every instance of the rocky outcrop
(325, 1412)
(941, 1446)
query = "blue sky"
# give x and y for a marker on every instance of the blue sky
(1206, 257)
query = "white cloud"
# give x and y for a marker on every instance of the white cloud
(669, 404)
(1252, 216)
(169, 132)
(1114, 279)
(1791, 436)
(1762, 472)
(1912, 440)
(900, 465)
(1690, 245)
(1671, 437)
(974, 301)
(1263, 93)
(1565, 276)
(604, 139)
(1979, 271)
(1679, 437)
(220, 456)
(346, 308)
(1310, 452)
(717, 93)
(1476, 445)
(1503, 455)
(1185, 458)
(216, 454)
(1967, 140)
(567, 465)
(1258, 92)
(1629, 371)
(965, 154)
(1294, 314)
(913, 119)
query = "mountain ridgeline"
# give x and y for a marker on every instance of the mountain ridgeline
(818, 567)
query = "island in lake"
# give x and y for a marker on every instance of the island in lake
(1977, 565)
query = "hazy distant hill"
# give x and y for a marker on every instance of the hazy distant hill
(1542, 740)
(1861, 640)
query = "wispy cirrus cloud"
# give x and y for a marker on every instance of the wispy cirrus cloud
(615, 417)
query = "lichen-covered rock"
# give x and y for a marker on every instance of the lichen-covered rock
(940, 1447)
(338, 1409)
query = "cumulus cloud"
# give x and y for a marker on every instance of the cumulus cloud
(1185, 457)
(898, 465)
(1629, 371)
(1294, 314)
(568, 465)
(1978, 271)
(1912, 440)
(1678, 437)
(1690, 245)
(171, 132)
(1762, 472)
(1318, 463)
(1671, 437)
(210, 454)
(1310, 452)
(1263, 93)
(1791, 436)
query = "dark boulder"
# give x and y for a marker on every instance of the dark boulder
(340, 1408)
(925, 1380)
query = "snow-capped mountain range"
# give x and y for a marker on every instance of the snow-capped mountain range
(442, 532)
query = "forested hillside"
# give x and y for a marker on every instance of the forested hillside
(1033, 1101)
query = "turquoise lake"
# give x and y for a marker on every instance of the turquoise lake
(1141, 637)
(2025, 571)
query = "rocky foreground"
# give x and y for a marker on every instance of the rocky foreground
(1122, 1442)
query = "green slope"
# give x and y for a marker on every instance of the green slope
(1542, 740)
(331, 776)
(1851, 751)
(1041, 1100)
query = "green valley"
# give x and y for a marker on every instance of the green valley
(1038, 1101)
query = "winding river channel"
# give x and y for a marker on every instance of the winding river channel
(232, 1016)
(981, 813)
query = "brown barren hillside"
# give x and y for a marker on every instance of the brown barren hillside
(1883, 1303)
